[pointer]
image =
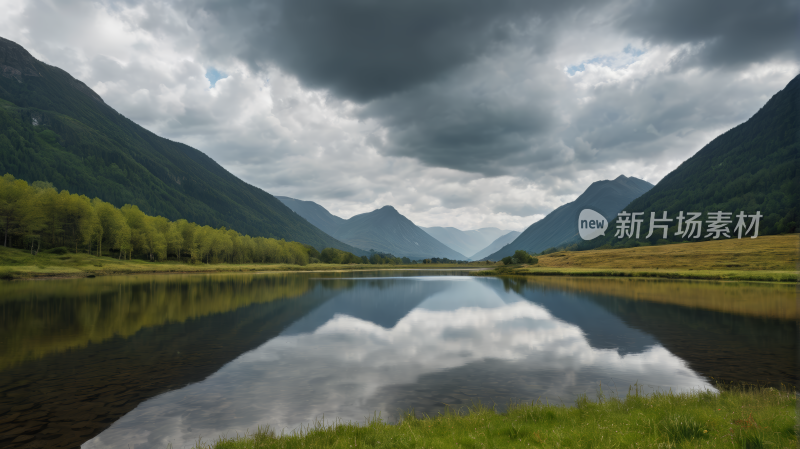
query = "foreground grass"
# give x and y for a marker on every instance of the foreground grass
(736, 418)
(20, 264)
(771, 258)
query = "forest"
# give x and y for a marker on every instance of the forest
(37, 217)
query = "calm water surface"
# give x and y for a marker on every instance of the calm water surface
(145, 361)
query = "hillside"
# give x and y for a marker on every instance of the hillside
(54, 128)
(561, 226)
(314, 213)
(753, 167)
(465, 242)
(496, 245)
(386, 230)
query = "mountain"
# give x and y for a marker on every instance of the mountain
(752, 167)
(314, 213)
(561, 226)
(54, 128)
(465, 242)
(496, 245)
(385, 230)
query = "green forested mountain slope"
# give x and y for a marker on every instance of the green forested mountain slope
(54, 128)
(753, 167)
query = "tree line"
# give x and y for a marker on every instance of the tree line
(36, 217)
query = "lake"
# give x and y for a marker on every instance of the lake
(151, 360)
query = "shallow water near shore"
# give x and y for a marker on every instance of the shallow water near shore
(152, 360)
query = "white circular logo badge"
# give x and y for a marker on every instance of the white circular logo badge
(591, 224)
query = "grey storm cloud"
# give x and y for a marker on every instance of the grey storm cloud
(470, 84)
(364, 50)
(733, 32)
(472, 121)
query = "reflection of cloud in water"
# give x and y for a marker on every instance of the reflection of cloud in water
(348, 368)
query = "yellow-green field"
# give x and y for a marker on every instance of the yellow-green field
(20, 264)
(769, 258)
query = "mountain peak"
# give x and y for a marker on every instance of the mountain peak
(621, 178)
(387, 230)
(15, 61)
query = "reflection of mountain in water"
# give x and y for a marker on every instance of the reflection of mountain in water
(90, 387)
(375, 301)
(603, 329)
(722, 346)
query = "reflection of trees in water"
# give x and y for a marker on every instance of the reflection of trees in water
(78, 393)
(725, 346)
(44, 317)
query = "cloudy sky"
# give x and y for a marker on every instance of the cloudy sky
(465, 113)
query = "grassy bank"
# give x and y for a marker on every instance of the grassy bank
(769, 258)
(737, 418)
(20, 264)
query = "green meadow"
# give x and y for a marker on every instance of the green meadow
(733, 418)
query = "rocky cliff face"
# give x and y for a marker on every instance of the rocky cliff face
(16, 62)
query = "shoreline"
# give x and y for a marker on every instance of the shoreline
(782, 277)
(766, 259)
(735, 416)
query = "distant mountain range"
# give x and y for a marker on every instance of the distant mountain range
(55, 128)
(560, 226)
(384, 230)
(466, 242)
(495, 246)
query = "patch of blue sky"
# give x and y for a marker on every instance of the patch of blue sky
(631, 50)
(615, 62)
(213, 75)
(573, 69)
